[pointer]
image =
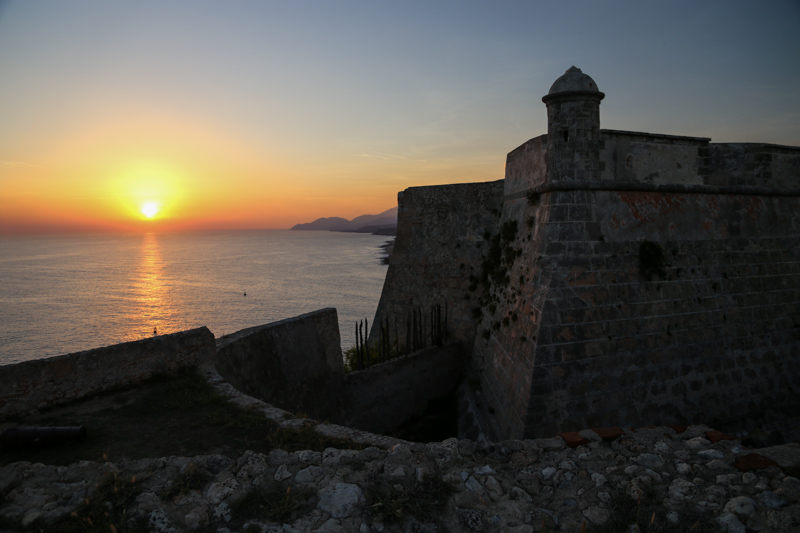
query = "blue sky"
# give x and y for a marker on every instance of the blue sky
(342, 103)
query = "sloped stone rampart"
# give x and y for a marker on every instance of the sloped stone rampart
(294, 363)
(40, 383)
(383, 397)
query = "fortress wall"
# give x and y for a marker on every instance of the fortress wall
(504, 349)
(383, 397)
(40, 383)
(651, 158)
(526, 166)
(295, 364)
(440, 244)
(754, 165)
(580, 337)
(710, 338)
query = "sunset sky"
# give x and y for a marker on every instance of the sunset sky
(263, 114)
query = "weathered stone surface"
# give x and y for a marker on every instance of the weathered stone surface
(566, 487)
(262, 362)
(41, 383)
(341, 500)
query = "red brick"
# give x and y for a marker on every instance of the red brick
(753, 461)
(609, 434)
(716, 436)
(572, 439)
(678, 429)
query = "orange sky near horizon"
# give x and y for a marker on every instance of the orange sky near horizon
(265, 114)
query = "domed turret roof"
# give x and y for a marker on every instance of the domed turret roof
(574, 82)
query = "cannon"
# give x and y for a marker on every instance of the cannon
(23, 437)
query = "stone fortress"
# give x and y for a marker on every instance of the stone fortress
(613, 278)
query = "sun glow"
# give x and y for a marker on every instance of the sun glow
(150, 209)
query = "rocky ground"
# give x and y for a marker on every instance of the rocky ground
(654, 479)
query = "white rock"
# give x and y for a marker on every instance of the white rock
(568, 465)
(741, 506)
(661, 447)
(520, 494)
(673, 517)
(222, 512)
(159, 522)
(710, 454)
(473, 485)
(683, 454)
(749, 477)
(697, 442)
(599, 479)
(549, 472)
(309, 457)
(282, 473)
(770, 499)
(332, 456)
(398, 472)
(197, 517)
(30, 517)
(652, 474)
(309, 474)
(484, 470)
(650, 460)
(148, 501)
(597, 515)
(217, 492)
(341, 500)
(494, 487)
(730, 524)
(680, 489)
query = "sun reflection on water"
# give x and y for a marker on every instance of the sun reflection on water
(153, 311)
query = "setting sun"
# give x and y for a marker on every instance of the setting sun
(150, 209)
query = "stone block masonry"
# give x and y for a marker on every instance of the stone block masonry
(294, 363)
(40, 383)
(635, 279)
(381, 398)
(440, 244)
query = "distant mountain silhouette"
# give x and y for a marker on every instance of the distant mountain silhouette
(383, 223)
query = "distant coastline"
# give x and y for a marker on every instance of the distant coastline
(381, 224)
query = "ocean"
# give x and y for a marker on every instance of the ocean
(63, 294)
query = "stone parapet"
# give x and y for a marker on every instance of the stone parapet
(41, 383)
(294, 363)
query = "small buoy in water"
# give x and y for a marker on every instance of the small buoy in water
(245, 294)
(155, 331)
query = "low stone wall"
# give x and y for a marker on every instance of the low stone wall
(383, 397)
(40, 383)
(295, 364)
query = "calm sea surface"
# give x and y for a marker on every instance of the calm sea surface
(62, 294)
